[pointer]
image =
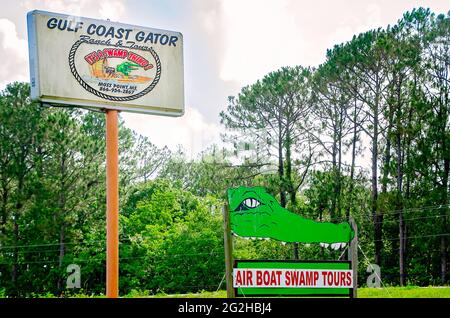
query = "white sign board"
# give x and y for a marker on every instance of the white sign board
(291, 278)
(107, 65)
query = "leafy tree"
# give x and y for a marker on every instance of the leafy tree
(20, 119)
(176, 234)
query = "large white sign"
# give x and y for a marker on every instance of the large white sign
(101, 64)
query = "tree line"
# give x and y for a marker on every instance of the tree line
(388, 87)
(365, 134)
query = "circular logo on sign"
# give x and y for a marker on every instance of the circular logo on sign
(113, 72)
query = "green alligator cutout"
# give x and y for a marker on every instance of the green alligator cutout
(126, 67)
(256, 214)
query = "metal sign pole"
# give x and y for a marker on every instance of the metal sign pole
(112, 204)
(353, 256)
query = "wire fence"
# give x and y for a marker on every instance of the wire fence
(136, 249)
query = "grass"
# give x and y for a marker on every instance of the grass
(405, 292)
(388, 292)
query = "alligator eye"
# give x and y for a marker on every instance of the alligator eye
(249, 203)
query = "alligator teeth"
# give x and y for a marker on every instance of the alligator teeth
(336, 246)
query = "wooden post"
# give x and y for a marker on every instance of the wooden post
(228, 247)
(112, 204)
(353, 256)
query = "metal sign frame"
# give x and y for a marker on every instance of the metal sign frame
(230, 263)
(96, 100)
(100, 73)
(247, 291)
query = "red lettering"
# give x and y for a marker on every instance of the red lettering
(316, 277)
(305, 278)
(302, 278)
(309, 278)
(342, 278)
(100, 55)
(279, 277)
(249, 278)
(120, 53)
(108, 52)
(258, 278)
(330, 279)
(238, 278)
(273, 279)
(295, 277)
(287, 279)
(141, 61)
(266, 278)
(336, 278)
(91, 58)
(349, 278)
(324, 274)
(148, 67)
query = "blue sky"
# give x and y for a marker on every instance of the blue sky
(227, 44)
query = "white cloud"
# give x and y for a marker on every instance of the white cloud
(370, 19)
(111, 9)
(340, 35)
(192, 131)
(15, 53)
(15, 48)
(228, 44)
(261, 36)
(208, 15)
